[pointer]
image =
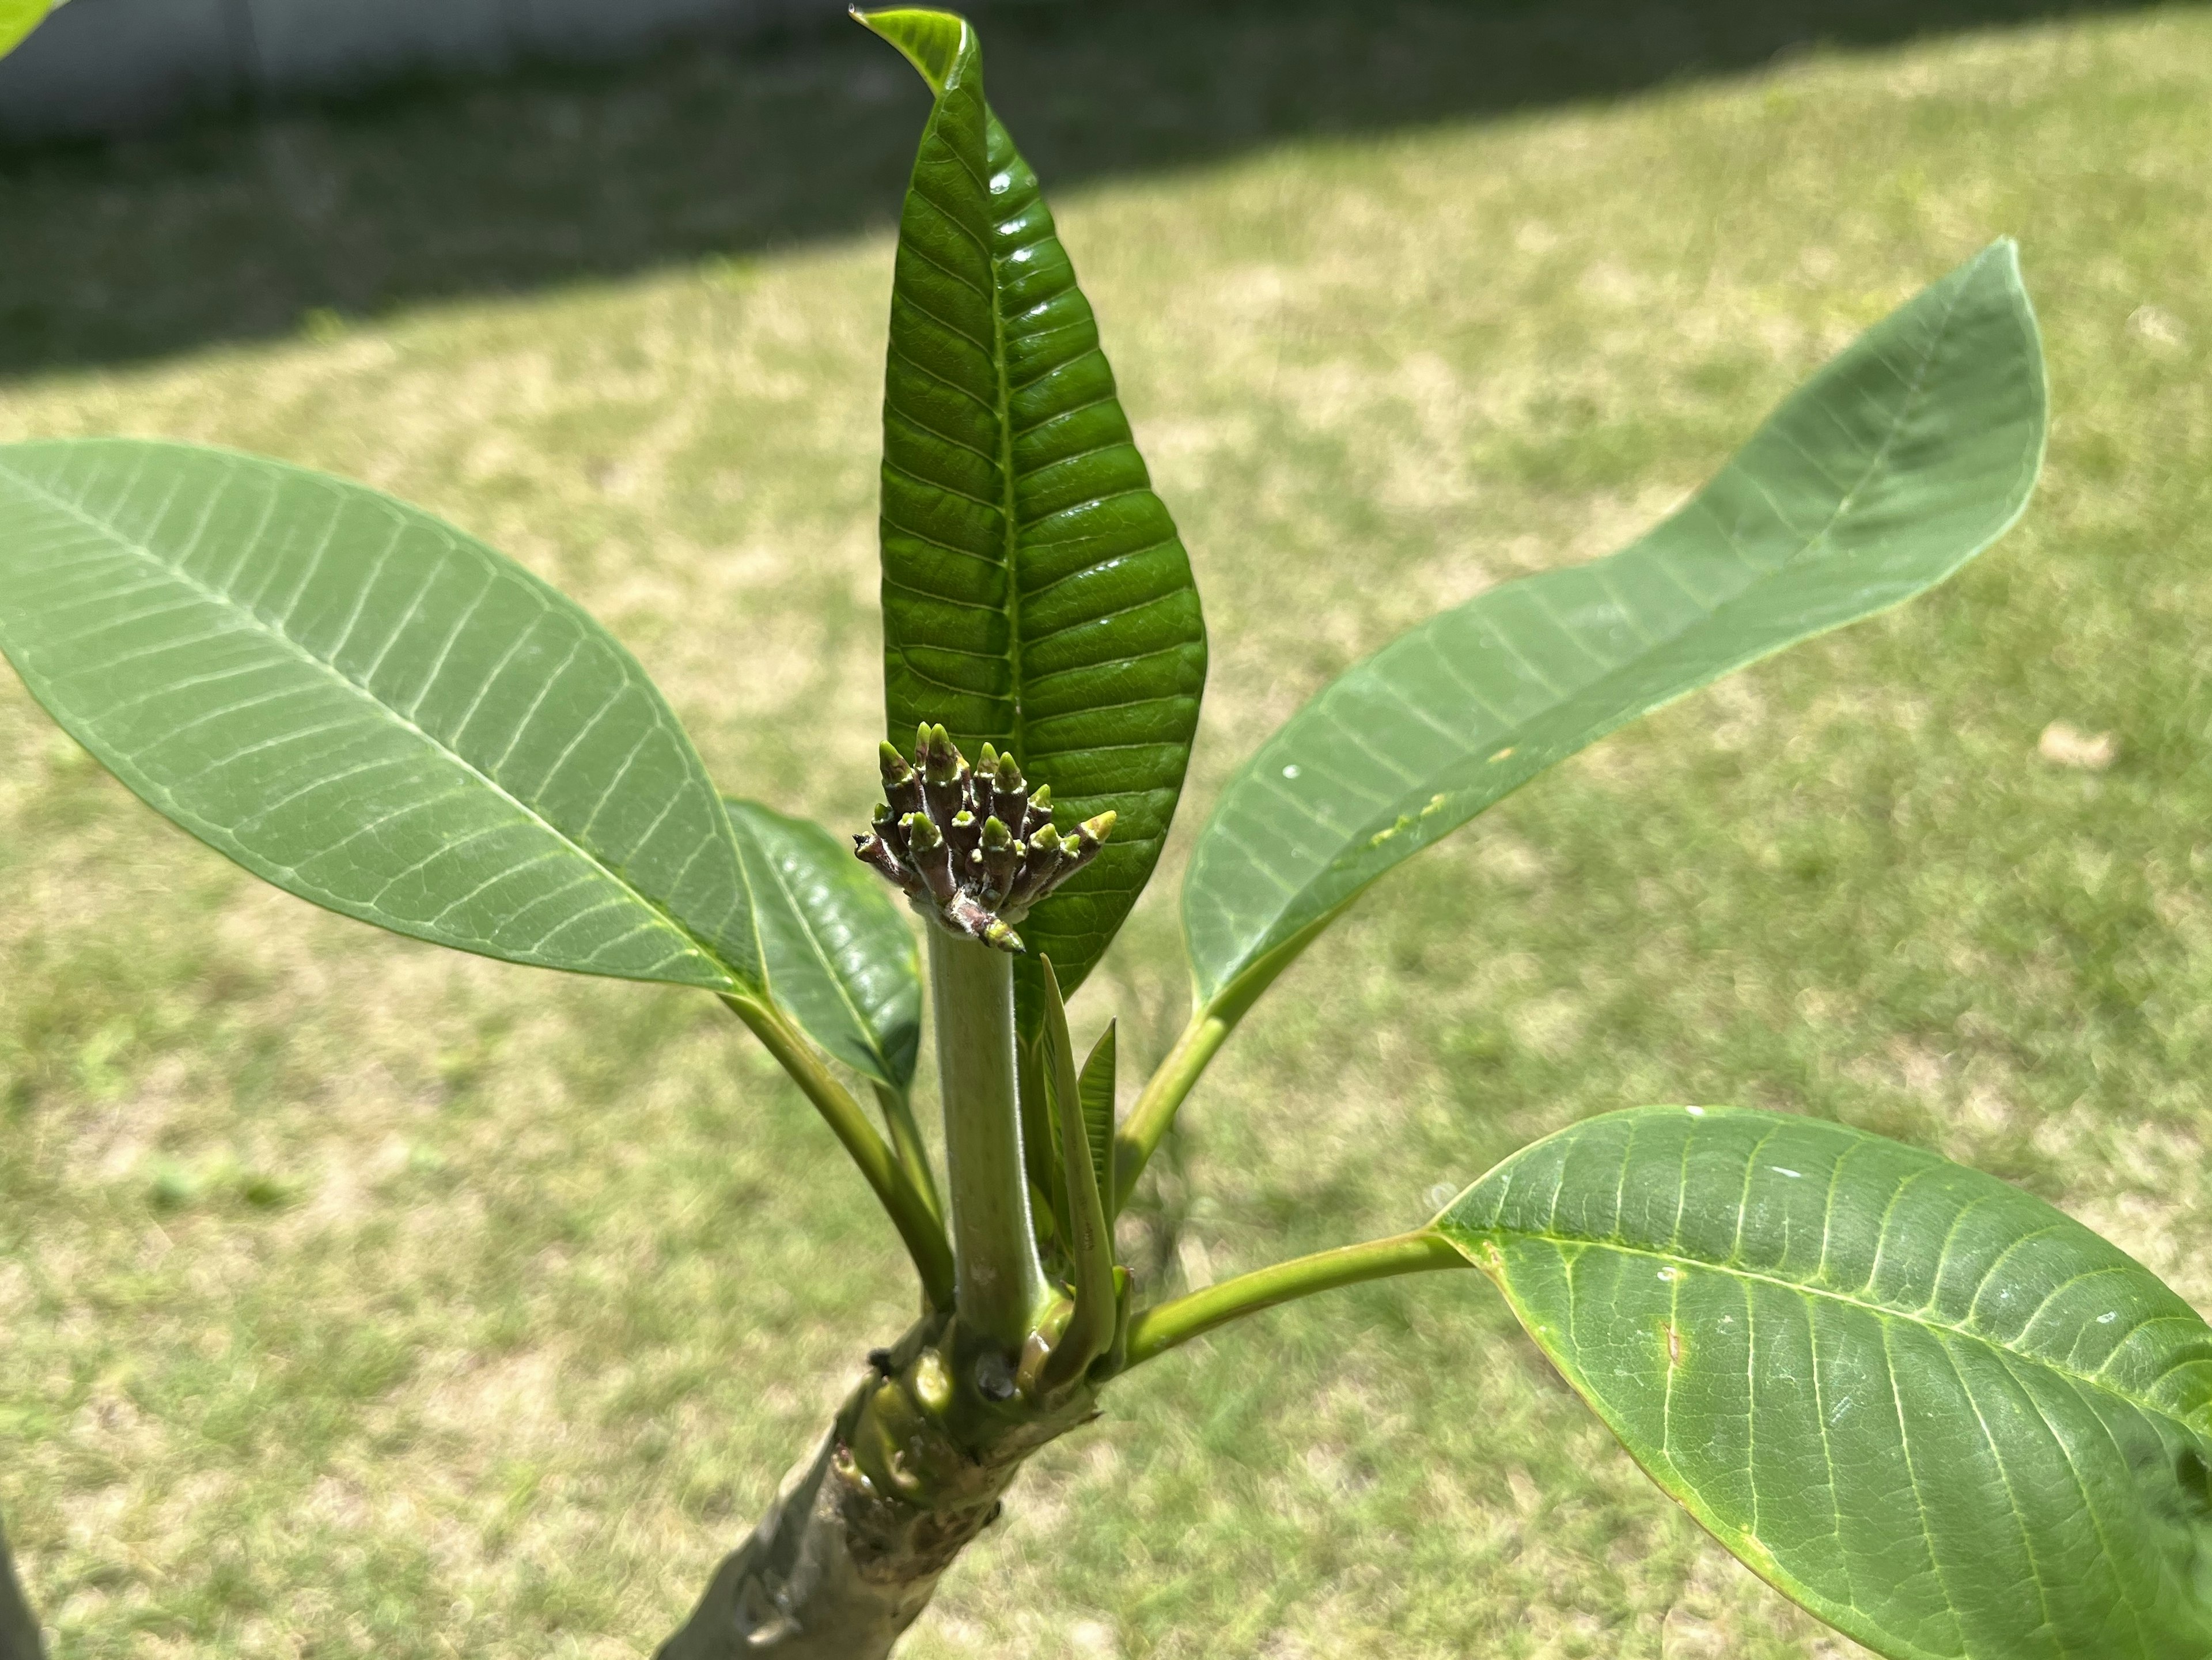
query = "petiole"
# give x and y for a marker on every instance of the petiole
(1155, 1330)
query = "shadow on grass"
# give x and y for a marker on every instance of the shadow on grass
(245, 227)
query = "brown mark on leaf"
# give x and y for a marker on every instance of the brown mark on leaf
(1674, 1346)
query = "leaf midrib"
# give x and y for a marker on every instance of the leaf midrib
(1878, 1310)
(1002, 388)
(217, 597)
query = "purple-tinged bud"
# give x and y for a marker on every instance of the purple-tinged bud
(1002, 858)
(967, 914)
(930, 856)
(941, 759)
(944, 778)
(1090, 836)
(884, 821)
(1041, 862)
(902, 788)
(876, 853)
(1009, 792)
(1039, 813)
(973, 849)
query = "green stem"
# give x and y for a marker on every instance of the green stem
(1148, 1121)
(1157, 1330)
(999, 1284)
(906, 1142)
(910, 1212)
(1210, 1023)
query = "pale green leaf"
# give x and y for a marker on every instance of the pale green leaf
(367, 708)
(836, 949)
(1939, 1413)
(1097, 1090)
(1901, 459)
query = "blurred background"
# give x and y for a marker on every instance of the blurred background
(357, 1297)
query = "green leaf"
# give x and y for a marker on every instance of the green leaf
(17, 18)
(1900, 460)
(1097, 1090)
(1085, 1190)
(1929, 1407)
(366, 708)
(1036, 594)
(838, 955)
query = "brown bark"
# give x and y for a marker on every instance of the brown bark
(910, 1472)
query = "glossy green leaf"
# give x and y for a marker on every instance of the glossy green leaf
(838, 955)
(1096, 1089)
(1929, 1407)
(1036, 594)
(1906, 455)
(17, 18)
(366, 708)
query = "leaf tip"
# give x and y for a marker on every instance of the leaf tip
(934, 42)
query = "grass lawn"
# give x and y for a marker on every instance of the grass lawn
(358, 1297)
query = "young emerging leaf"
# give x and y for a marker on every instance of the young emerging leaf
(835, 952)
(1097, 1088)
(368, 709)
(1035, 593)
(1939, 1413)
(1090, 1327)
(1900, 460)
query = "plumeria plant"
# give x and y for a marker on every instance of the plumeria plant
(1926, 1406)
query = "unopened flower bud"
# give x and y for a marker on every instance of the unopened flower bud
(973, 849)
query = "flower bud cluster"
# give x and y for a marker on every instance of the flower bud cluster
(972, 849)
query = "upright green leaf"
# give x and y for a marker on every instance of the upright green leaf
(1939, 1413)
(1096, 1089)
(366, 708)
(837, 955)
(17, 18)
(1034, 593)
(1900, 460)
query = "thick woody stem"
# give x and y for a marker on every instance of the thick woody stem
(910, 1472)
(18, 1628)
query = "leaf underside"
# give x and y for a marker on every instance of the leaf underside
(1906, 455)
(1930, 1408)
(837, 953)
(366, 708)
(1036, 594)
